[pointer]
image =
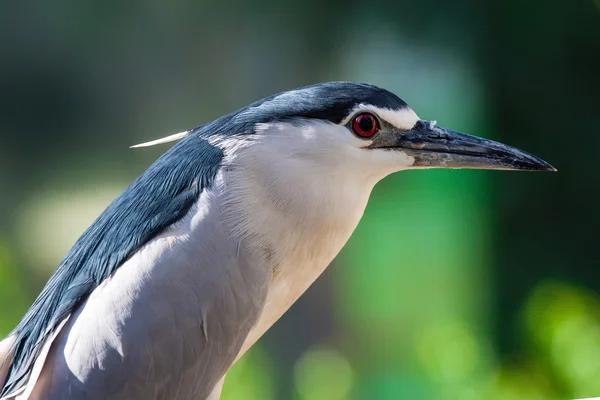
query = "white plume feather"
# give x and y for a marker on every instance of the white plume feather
(167, 139)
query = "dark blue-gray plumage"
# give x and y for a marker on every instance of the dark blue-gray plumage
(154, 201)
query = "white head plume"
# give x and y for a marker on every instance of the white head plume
(167, 139)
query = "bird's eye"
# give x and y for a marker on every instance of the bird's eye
(365, 125)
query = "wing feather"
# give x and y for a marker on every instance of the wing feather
(162, 195)
(149, 343)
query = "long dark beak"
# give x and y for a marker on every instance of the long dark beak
(436, 147)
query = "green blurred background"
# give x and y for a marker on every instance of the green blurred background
(456, 285)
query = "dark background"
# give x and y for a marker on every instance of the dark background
(456, 285)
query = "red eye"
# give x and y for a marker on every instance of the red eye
(365, 125)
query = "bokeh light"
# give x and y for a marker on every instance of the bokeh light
(251, 378)
(323, 374)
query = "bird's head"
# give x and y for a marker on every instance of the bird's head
(359, 128)
(309, 158)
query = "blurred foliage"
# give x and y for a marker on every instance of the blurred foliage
(251, 378)
(13, 298)
(323, 374)
(456, 285)
(563, 324)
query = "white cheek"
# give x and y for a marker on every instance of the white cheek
(384, 161)
(380, 162)
(352, 140)
(319, 146)
(342, 148)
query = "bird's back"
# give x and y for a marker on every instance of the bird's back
(174, 316)
(138, 266)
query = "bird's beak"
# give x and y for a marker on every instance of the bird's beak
(436, 147)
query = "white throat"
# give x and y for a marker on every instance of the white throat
(295, 192)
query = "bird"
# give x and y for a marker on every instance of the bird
(186, 269)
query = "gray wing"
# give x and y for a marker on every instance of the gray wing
(156, 200)
(170, 321)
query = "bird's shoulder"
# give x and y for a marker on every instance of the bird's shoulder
(173, 316)
(161, 196)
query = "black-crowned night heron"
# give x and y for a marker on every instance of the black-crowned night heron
(187, 268)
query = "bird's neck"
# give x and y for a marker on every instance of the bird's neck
(301, 219)
(299, 214)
